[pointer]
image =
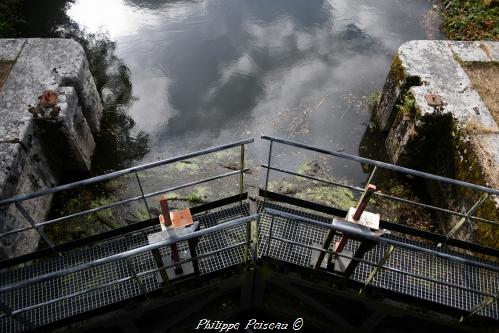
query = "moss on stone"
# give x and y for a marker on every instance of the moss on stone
(335, 196)
(408, 106)
(469, 169)
(189, 165)
(397, 71)
(283, 187)
(199, 195)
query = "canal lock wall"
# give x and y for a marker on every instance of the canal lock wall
(435, 120)
(50, 111)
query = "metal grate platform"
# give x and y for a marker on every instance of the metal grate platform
(51, 289)
(405, 260)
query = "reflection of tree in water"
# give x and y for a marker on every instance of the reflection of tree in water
(117, 145)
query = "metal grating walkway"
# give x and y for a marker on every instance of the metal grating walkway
(75, 282)
(402, 259)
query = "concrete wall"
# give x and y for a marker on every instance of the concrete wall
(438, 139)
(38, 148)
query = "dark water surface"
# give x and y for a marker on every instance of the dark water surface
(210, 72)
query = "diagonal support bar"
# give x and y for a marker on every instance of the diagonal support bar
(364, 247)
(142, 194)
(329, 238)
(34, 226)
(486, 302)
(378, 267)
(460, 223)
(134, 276)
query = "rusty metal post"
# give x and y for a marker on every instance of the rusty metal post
(361, 206)
(343, 241)
(364, 200)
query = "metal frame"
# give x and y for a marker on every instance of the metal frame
(363, 234)
(249, 246)
(377, 164)
(356, 231)
(406, 230)
(133, 275)
(383, 165)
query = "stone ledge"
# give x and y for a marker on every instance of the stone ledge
(28, 159)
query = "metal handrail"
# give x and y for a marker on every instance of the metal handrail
(383, 165)
(36, 226)
(388, 268)
(382, 195)
(123, 172)
(354, 230)
(130, 253)
(118, 203)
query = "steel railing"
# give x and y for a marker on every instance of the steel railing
(350, 229)
(486, 191)
(18, 200)
(17, 314)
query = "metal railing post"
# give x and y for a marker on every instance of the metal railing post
(20, 318)
(241, 175)
(248, 242)
(371, 176)
(270, 234)
(142, 193)
(268, 173)
(34, 226)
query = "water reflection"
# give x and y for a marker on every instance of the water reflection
(115, 16)
(206, 72)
